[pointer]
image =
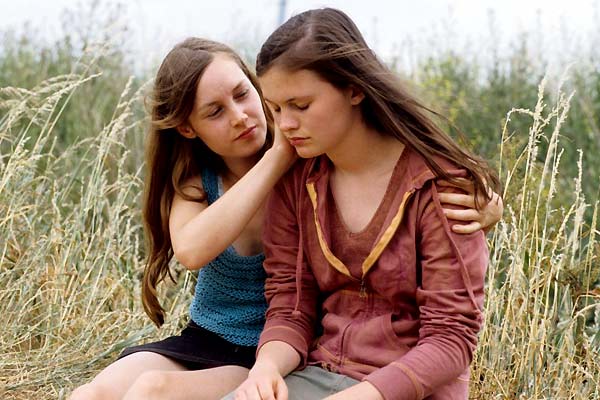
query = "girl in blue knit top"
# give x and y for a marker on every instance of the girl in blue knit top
(212, 158)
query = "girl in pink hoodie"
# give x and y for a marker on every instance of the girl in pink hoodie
(372, 295)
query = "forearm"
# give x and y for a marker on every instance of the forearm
(434, 363)
(280, 355)
(210, 232)
(265, 380)
(360, 391)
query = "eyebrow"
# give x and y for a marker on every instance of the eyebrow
(290, 100)
(212, 103)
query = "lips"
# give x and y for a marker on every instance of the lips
(297, 141)
(246, 133)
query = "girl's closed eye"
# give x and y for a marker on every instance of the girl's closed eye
(242, 94)
(214, 112)
(301, 107)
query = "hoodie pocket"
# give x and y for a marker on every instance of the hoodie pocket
(375, 342)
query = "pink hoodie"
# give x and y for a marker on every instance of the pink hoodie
(409, 325)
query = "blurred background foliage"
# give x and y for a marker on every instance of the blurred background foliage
(72, 124)
(474, 94)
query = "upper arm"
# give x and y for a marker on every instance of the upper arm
(184, 210)
(284, 260)
(449, 295)
(452, 273)
(281, 237)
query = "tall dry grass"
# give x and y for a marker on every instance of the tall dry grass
(71, 251)
(71, 247)
(542, 335)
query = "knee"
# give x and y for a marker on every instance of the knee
(150, 385)
(92, 391)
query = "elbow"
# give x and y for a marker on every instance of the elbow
(188, 257)
(460, 340)
(458, 350)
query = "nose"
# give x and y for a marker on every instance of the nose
(287, 122)
(238, 116)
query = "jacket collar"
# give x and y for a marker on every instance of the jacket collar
(417, 174)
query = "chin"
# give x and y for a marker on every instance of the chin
(256, 149)
(307, 153)
(261, 143)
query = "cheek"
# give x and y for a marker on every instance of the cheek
(212, 132)
(344, 115)
(257, 108)
(328, 118)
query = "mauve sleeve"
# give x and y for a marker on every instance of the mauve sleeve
(281, 238)
(450, 300)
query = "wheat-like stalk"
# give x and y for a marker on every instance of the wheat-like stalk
(540, 297)
(71, 255)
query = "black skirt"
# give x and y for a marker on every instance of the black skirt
(197, 348)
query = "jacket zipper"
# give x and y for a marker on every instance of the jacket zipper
(364, 294)
(342, 343)
(363, 289)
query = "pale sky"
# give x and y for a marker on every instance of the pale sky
(388, 26)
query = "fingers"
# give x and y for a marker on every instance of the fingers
(485, 218)
(468, 215)
(281, 390)
(466, 229)
(249, 393)
(468, 200)
(492, 212)
(266, 391)
(241, 395)
(497, 201)
(259, 388)
(467, 185)
(457, 199)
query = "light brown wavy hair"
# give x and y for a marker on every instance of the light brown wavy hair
(171, 159)
(327, 42)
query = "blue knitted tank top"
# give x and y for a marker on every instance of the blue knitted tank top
(230, 296)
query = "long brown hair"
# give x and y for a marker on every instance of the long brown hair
(171, 159)
(327, 42)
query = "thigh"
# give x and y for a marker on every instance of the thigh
(316, 383)
(119, 376)
(207, 384)
(312, 383)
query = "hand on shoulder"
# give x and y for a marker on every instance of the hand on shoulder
(485, 218)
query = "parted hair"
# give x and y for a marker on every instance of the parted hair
(327, 42)
(171, 159)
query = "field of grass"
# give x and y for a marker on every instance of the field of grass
(72, 249)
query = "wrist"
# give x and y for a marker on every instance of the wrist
(274, 158)
(278, 355)
(264, 367)
(262, 363)
(282, 155)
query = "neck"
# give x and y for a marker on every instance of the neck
(365, 152)
(236, 168)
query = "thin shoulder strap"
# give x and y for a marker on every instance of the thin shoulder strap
(212, 184)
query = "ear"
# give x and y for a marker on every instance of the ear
(356, 95)
(186, 131)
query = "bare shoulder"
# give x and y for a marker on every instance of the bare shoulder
(187, 204)
(193, 187)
